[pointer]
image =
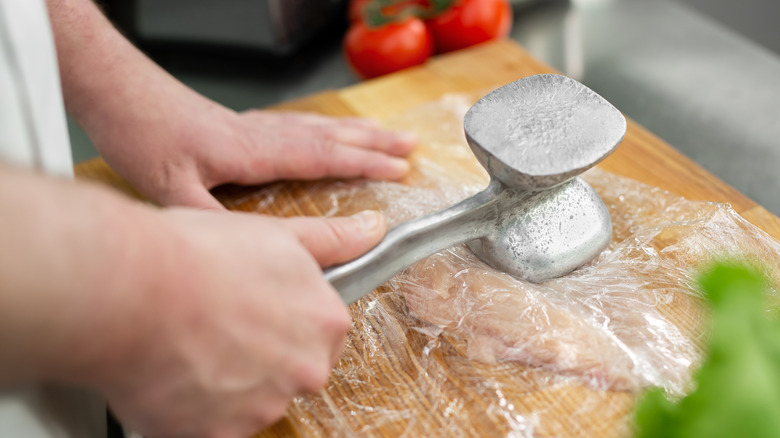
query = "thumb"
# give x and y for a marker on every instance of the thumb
(336, 240)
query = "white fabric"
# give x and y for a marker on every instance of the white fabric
(33, 133)
(33, 129)
(51, 412)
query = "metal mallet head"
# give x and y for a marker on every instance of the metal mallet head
(537, 134)
(536, 220)
(542, 130)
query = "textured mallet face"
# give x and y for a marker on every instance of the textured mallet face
(542, 130)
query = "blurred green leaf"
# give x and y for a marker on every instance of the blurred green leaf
(737, 388)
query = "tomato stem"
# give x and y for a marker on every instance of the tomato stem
(378, 13)
(439, 6)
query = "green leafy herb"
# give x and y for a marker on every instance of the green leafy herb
(737, 389)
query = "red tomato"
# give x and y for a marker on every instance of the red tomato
(470, 22)
(375, 51)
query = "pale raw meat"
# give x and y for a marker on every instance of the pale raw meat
(607, 324)
(505, 320)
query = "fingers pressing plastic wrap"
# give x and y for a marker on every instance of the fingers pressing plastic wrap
(451, 347)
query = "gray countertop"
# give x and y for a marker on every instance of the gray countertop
(708, 91)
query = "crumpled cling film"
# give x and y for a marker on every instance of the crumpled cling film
(451, 347)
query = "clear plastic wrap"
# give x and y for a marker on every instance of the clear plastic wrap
(451, 347)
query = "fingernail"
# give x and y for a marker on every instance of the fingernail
(368, 219)
(400, 166)
(373, 123)
(407, 137)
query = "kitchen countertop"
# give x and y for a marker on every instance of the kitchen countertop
(701, 87)
(706, 90)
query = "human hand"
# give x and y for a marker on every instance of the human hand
(190, 323)
(252, 147)
(173, 144)
(246, 323)
(175, 159)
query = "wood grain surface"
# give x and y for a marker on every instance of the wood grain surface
(642, 156)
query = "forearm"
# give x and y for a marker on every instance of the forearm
(74, 267)
(174, 145)
(123, 100)
(101, 71)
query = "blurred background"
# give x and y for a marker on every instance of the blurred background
(704, 75)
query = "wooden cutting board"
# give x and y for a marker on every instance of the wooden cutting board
(641, 156)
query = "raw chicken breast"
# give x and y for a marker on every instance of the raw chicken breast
(506, 319)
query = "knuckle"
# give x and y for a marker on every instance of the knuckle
(325, 147)
(319, 157)
(299, 118)
(336, 231)
(253, 112)
(340, 321)
(162, 175)
(311, 377)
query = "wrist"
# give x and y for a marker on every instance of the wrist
(132, 259)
